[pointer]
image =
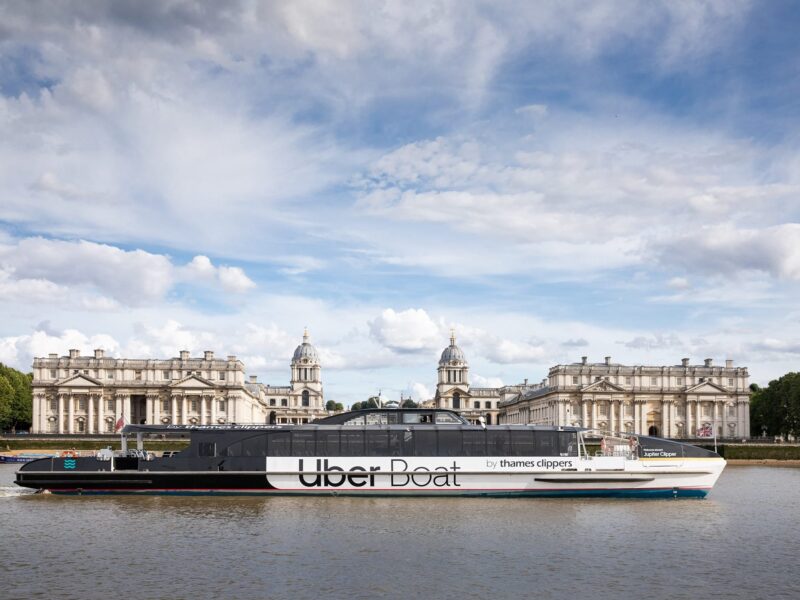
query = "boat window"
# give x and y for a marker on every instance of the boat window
(412, 417)
(352, 443)
(377, 443)
(327, 443)
(450, 442)
(359, 420)
(279, 444)
(207, 449)
(303, 443)
(401, 443)
(232, 450)
(497, 442)
(522, 442)
(568, 443)
(546, 443)
(425, 442)
(255, 445)
(447, 418)
(474, 442)
(377, 419)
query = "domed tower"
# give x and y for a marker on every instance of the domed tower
(306, 377)
(452, 388)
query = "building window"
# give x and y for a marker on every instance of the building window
(628, 380)
(222, 375)
(679, 381)
(81, 426)
(597, 378)
(165, 405)
(488, 404)
(305, 398)
(188, 373)
(194, 406)
(284, 402)
(476, 404)
(54, 405)
(137, 375)
(86, 371)
(110, 426)
(82, 404)
(223, 405)
(96, 373)
(730, 382)
(272, 401)
(574, 380)
(110, 374)
(53, 374)
(110, 405)
(74, 371)
(654, 381)
(52, 427)
(456, 400)
(165, 374)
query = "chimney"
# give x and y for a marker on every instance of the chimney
(729, 364)
(208, 355)
(184, 355)
(608, 360)
(253, 378)
(74, 353)
(583, 360)
(526, 382)
(685, 362)
(98, 353)
(708, 362)
(52, 355)
(231, 357)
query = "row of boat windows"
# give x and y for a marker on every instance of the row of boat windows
(443, 442)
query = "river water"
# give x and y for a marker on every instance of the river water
(739, 542)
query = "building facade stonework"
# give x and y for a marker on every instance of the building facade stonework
(676, 401)
(77, 394)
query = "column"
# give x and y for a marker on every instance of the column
(714, 416)
(117, 408)
(37, 412)
(148, 409)
(584, 414)
(71, 413)
(689, 419)
(174, 408)
(621, 416)
(665, 418)
(643, 416)
(60, 413)
(594, 413)
(746, 418)
(126, 404)
(101, 417)
(90, 414)
(184, 420)
(697, 415)
(213, 410)
(156, 409)
(232, 416)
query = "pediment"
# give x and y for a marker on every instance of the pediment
(602, 386)
(707, 387)
(192, 381)
(80, 380)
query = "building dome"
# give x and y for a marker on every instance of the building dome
(305, 351)
(452, 352)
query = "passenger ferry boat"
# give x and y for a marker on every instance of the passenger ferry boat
(388, 452)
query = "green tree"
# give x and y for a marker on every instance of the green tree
(330, 405)
(16, 412)
(356, 406)
(775, 409)
(338, 406)
(409, 403)
(6, 402)
(373, 402)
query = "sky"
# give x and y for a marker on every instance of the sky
(549, 179)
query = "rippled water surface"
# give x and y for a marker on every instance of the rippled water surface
(740, 542)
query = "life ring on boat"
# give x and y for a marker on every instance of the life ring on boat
(69, 454)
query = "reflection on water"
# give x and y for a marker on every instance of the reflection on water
(737, 543)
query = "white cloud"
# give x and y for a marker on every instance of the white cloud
(419, 391)
(504, 351)
(411, 330)
(490, 382)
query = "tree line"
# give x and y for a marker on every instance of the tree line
(16, 400)
(775, 409)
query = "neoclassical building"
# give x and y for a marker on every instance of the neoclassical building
(453, 390)
(665, 401)
(89, 394)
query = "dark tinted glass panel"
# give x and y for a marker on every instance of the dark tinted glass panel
(474, 442)
(279, 444)
(498, 442)
(377, 443)
(401, 443)
(232, 450)
(522, 443)
(568, 443)
(207, 449)
(255, 446)
(352, 443)
(450, 442)
(546, 443)
(303, 443)
(425, 442)
(327, 443)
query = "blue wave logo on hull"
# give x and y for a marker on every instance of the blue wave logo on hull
(69, 463)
